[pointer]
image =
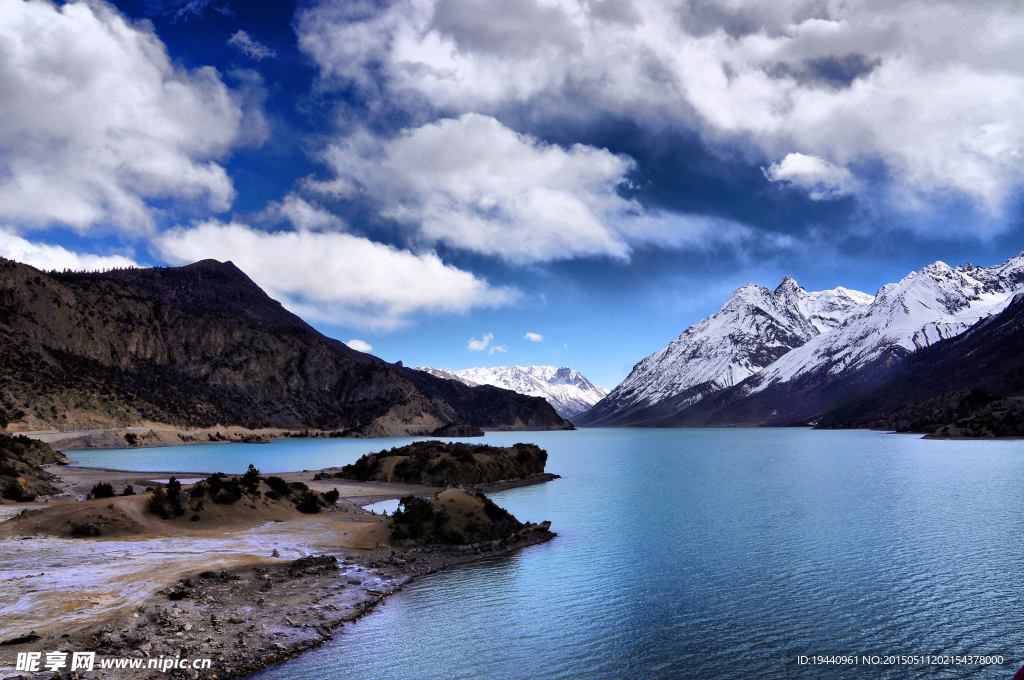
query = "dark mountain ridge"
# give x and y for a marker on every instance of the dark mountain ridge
(952, 380)
(203, 346)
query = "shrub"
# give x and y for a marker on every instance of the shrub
(454, 537)
(272, 495)
(299, 486)
(412, 518)
(84, 530)
(158, 503)
(309, 503)
(225, 497)
(131, 438)
(493, 511)
(128, 491)
(102, 490)
(173, 488)
(279, 485)
(364, 469)
(332, 496)
(223, 489)
(251, 479)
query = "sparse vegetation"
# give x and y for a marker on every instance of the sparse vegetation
(435, 463)
(429, 520)
(66, 360)
(224, 489)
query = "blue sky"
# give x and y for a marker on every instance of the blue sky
(430, 176)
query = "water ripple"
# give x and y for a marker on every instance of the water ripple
(720, 554)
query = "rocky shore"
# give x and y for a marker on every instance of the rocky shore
(245, 594)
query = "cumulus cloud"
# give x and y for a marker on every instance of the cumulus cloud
(98, 122)
(249, 46)
(498, 348)
(359, 345)
(481, 344)
(534, 337)
(475, 184)
(301, 214)
(930, 91)
(336, 277)
(818, 177)
(48, 257)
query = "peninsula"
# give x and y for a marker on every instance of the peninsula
(247, 570)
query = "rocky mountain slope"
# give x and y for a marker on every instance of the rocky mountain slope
(861, 353)
(964, 377)
(754, 328)
(203, 346)
(935, 303)
(567, 390)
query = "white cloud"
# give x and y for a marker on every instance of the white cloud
(481, 344)
(475, 184)
(303, 215)
(534, 337)
(336, 277)
(498, 348)
(818, 177)
(45, 256)
(97, 120)
(931, 91)
(359, 345)
(249, 46)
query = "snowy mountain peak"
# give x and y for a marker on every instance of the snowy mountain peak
(564, 388)
(753, 328)
(789, 287)
(811, 341)
(936, 302)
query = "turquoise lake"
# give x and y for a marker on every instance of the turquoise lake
(699, 554)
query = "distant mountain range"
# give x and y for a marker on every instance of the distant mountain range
(788, 356)
(204, 346)
(564, 388)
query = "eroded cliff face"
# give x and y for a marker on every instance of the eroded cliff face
(201, 346)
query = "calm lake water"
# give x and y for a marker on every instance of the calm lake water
(700, 554)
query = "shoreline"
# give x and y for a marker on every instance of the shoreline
(162, 435)
(245, 595)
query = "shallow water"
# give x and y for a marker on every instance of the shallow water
(280, 455)
(706, 554)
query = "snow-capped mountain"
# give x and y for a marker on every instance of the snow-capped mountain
(564, 388)
(926, 306)
(446, 374)
(776, 356)
(754, 328)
